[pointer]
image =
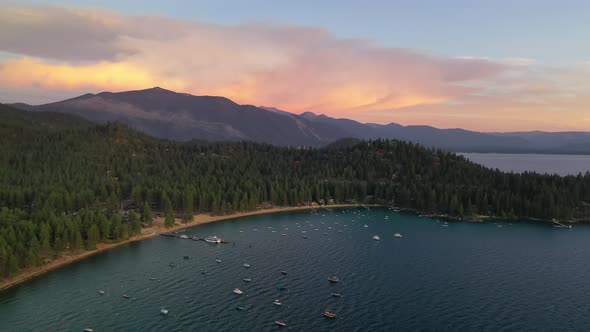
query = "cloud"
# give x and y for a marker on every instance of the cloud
(291, 67)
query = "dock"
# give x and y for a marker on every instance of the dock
(557, 224)
(193, 238)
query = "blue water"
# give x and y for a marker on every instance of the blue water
(540, 163)
(464, 277)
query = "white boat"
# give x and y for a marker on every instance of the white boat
(398, 235)
(376, 238)
(247, 279)
(184, 236)
(101, 292)
(218, 260)
(277, 302)
(238, 291)
(212, 239)
(365, 226)
(336, 295)
(88, 330)
(246, 265)
(164, 311)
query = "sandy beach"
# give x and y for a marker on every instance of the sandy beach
(158, 228)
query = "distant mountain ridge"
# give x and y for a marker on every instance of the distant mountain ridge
(183, 117)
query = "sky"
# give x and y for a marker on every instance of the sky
(489, 65)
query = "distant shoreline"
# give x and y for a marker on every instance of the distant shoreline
(147, 233)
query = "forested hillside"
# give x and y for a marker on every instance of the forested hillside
(66, 188)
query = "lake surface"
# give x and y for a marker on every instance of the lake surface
(464, 277)
(540, 163)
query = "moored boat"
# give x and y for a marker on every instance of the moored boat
(213, 239)
(333, 279)
(329, 314)
(183, 236)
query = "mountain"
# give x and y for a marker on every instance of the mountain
(183, 117)
(178, 116)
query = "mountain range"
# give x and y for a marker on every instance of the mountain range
(183, 117)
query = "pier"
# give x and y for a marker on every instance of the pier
(193, 238)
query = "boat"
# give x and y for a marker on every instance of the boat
(152, 278)
(172, 264)
(333, 279)
(283, 272)
(398, 235)
(365, 226)
(183, 236)
(277, 302)
(185, 257)
(241, 308)
(329, 314)
(101, 292)
(213, 239)
(247, 279)
(238, 291)
(376, 238)
(281, 323)
(218, 260)
(336, 295)
(88, 330)
(125, 296)
(164, 311)
(246, 265)
(281, 287)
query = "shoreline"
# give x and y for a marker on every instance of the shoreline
(147, 233)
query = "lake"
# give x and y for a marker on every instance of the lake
(459, 277)
(540, 163)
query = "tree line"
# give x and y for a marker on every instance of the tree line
(73, 188)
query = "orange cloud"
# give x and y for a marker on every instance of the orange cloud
(28, 72)
(59, 50)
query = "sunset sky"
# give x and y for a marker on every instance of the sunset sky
(481, 65)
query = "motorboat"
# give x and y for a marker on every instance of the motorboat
(336, 295)
(281, 323)
(246, 265)
(398, 235)
(183, 236)
(329, 314)
(101, 292)
(247, 279)
(218, 260)
(283, 272)
(376, 238)
(238, 291)
(333, 279)
(164, 311)
(125, 296)
(277, 302)
(213, 239)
